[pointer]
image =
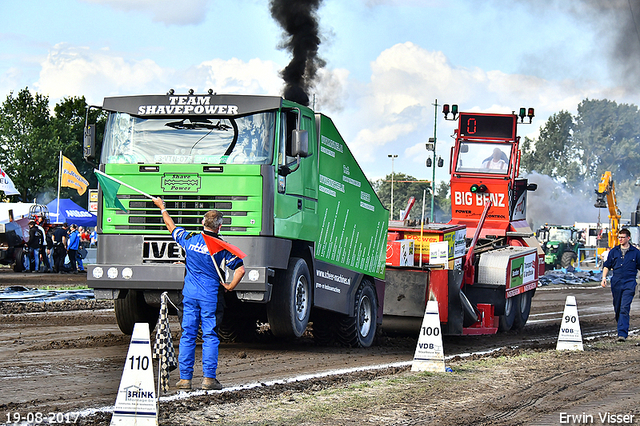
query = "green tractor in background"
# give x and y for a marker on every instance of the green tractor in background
(561, 246)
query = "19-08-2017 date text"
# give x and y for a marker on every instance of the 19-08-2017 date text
(41, 418)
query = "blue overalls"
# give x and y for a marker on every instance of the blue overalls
(199, 299)
(623, 283)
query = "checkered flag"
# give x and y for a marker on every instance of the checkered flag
(163, 347)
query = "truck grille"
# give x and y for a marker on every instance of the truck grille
(185, 210)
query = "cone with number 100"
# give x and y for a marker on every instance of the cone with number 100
(429, 355)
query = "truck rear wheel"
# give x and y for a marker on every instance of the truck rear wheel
(324, 327)
(239, 320)
(132, 309)
(509, 317)
(523, 304)
(238, 329)
(290, 305)
(568, 259)
(360, 330)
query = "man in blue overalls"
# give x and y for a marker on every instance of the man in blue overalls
(624, 260)
(200, 295)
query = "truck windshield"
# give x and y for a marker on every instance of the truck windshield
(198, 140)
(562, 235)
(482, 157)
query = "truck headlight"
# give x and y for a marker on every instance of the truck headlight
(98, 272)
(112, 273)
(254, 274)
(127, 273)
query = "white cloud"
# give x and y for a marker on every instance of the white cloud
(417, 153)
(395, 109)
(77, 71)
(10, 80)
(169, 12)
(236, 76)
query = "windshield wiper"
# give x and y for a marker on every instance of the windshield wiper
(205, 124)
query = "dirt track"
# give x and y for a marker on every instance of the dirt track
(68, 361)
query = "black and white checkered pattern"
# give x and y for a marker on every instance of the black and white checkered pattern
(163, 349)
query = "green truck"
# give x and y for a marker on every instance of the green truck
(294, 200)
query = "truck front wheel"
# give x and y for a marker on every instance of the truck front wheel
(132, 309)
(360, 330)
(290, 305)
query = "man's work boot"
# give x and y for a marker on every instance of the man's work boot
(183, 384)
(211, 384)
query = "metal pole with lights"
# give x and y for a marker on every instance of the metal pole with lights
(433, 179)
(393, 157)
(431, 146)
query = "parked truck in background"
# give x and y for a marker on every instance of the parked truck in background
(294, 200)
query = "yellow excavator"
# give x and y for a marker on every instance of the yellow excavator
(606, 198)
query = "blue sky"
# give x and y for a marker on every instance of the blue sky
(386, 60)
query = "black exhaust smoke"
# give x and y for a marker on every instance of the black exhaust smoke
(298, 18)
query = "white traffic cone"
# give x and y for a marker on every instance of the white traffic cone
(136, 400)
(570, 337)
(429, 355)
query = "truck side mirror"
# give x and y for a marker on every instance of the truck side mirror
(300, 143)
(89, 141)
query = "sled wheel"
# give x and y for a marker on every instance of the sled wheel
(509, 317)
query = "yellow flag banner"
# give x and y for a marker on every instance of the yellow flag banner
(71, 177)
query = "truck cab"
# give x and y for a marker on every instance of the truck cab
(289, 190)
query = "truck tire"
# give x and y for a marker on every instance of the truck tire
(359, 331)
(237, 322)
(568, 259)
(510, 310)
(132, 309)
(323, 327)
(523, 304)
(290, 306)
(18, 253)
(238, 329)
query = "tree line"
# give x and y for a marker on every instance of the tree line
(31, 137)
(406, 186)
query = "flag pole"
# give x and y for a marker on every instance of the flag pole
(122, 183)
(59, 177)
(424, 194)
